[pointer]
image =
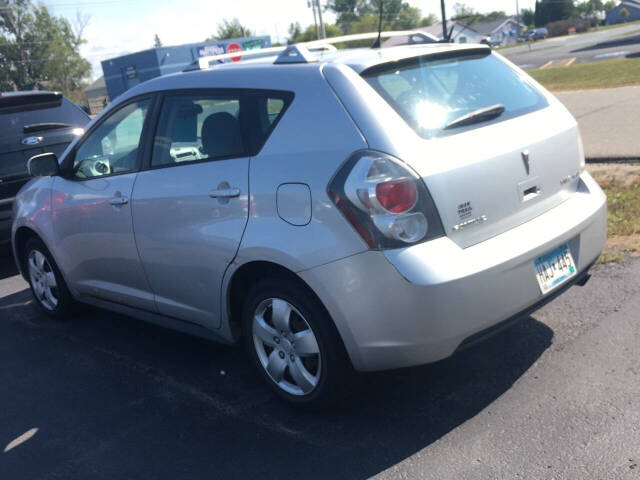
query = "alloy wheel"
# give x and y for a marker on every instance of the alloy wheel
(287, 347)
(43, 280)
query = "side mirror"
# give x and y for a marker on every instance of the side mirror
(43, 165)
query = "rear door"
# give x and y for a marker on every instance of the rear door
(190, 207)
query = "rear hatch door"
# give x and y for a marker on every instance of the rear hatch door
(492, 147)
(31, 124)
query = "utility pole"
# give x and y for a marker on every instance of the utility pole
(517, 12)
(324, 34)
(312, 5)
(444, 22)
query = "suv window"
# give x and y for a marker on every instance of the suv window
(430, 92)
(113, 146)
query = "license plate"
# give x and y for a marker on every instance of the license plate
(554, 268)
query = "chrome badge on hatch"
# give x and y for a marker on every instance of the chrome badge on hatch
(31, 140)
(473, 221)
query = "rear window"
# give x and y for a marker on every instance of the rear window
(13, 120)
(431, 92)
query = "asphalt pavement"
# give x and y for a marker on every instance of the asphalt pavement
(609, 121)
(103, 396)
(623, 42)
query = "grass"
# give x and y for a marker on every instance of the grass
(627, 34)
(617, 25)
(603, 74)
(621, 183)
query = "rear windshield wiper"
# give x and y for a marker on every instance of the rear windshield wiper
(39, 127)
(476, 116)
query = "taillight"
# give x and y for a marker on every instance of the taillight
(385, 200)
(397, 196)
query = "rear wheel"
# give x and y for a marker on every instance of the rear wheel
(47, 285)
(295, 345)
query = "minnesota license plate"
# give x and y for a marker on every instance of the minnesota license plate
(554, 268)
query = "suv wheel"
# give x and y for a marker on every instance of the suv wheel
(295, 345)
(47, 285)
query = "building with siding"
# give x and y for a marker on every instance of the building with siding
(122, 73)
(632, 6)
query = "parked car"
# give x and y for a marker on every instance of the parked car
(536, 34)
(340, 212)
(30, 123)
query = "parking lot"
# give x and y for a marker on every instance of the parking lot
(106, 396)
(599, 45)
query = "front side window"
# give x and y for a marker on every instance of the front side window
(440, 96)
(197, 127)
(113, 146)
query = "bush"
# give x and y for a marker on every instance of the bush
(561, 27)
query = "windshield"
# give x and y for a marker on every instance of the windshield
(431, 93)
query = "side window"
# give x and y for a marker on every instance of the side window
(269, 107)
(113, 146)
(198, 127)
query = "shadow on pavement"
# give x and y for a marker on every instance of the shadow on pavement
(7, 264)
(616, 42)
(633, 55)
(112, 397)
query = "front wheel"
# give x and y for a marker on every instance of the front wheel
(47, 285)
(295, 345)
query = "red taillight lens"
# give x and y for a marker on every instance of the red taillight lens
(384, 200)
(397, 196)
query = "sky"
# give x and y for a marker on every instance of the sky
(117, 27)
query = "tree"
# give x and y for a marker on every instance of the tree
(356, 15)
(463, 11)
(295, 30)
(548, 11)
(429, 20)
(37, 47)
(156, 41)
(527, 16)
(230, 29)
(624, 14)
(296, 35)
(609, 5)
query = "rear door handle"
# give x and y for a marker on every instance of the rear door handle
(119, 200)
(225, 193)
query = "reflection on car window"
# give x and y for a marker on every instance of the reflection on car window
(113, 146)
(193, 128)
(430, 93)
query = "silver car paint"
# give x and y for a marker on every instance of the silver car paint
(415, 305)
(186, 238)
(95, 242)
(393, 308)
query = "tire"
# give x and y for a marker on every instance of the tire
(49, 290)
(299, 376)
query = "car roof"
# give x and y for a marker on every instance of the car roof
(274, 75)
(360, 59)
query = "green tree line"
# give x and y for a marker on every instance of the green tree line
(36, 46)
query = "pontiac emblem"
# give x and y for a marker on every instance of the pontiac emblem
(525, 159)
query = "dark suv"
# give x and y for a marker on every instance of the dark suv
(31, 123)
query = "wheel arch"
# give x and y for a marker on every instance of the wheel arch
(22, 235)
(242, 279)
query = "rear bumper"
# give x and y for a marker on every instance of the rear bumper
(417, 305)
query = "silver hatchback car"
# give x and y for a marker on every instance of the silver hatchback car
(340, 211)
